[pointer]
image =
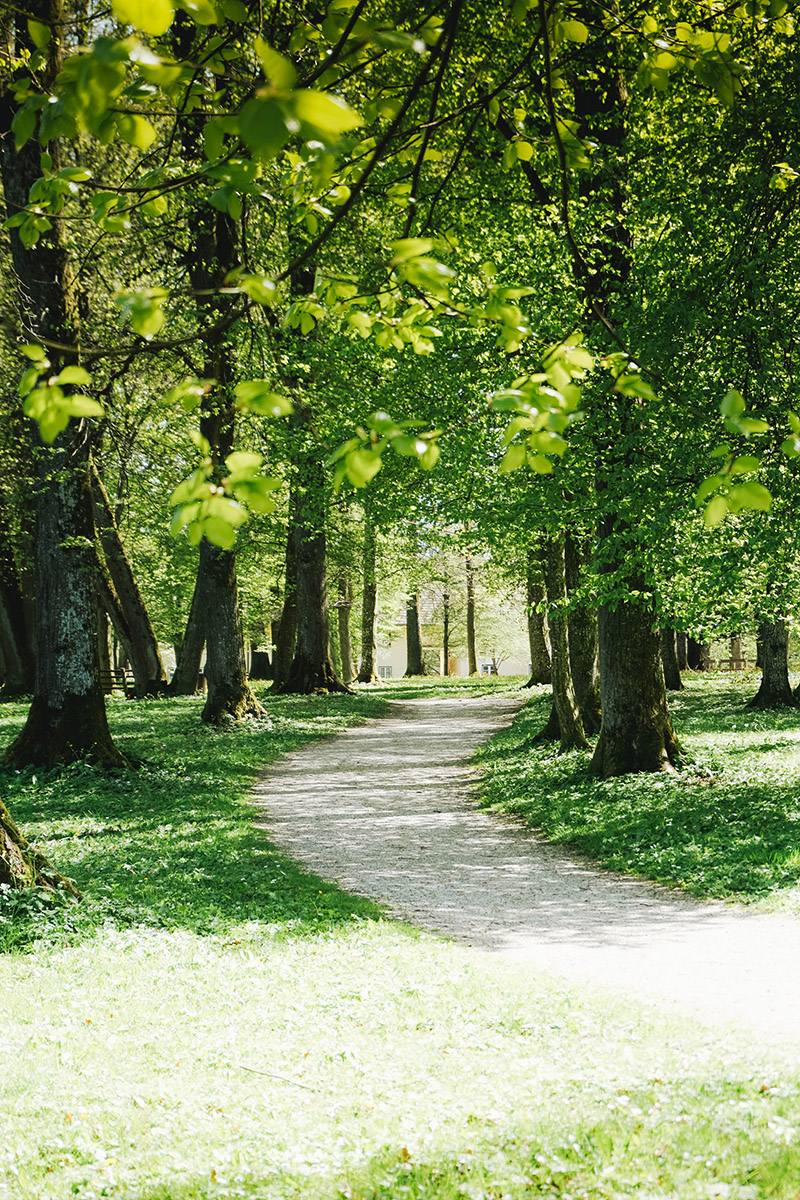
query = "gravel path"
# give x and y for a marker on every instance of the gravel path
(385, 809)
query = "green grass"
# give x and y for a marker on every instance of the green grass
(171, 845)
(436, 686)
(727, 825)
(212, 1023)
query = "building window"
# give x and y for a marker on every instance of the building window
(384, 672)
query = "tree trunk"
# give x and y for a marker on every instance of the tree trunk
(472, 657)
(681, 645)
(775, 690)
(213, 254)
(415, 663)
(538, 635)
(343, 607)
(103, 652)
(229, 693)
(186, 680)
(23, 867)
(286, 632)
(697, 655)
(67, 719)
(570, 725)
(143, 652)
(669, 661)
(366, 670)
(582, 634)
(15, 646)
(637, 732)
(311, 669)
(446, 634)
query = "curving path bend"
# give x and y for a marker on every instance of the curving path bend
(385, 809)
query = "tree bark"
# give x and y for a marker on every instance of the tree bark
(343, 606)
(415, 663)
(142, 647)
(214, 256)
(311, 669)
(23, 867)
(538, 634)
(582, 634)
(366, 669)
(570, 725)
(472, 656)
(637, 732)
(681, 645)
(669, 661)
(286, 632)
(775, 690)
(67, 719)
(15, 646)
(697, 656)
(229, 693)
(186, 680)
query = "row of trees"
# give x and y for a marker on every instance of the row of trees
(320, 239)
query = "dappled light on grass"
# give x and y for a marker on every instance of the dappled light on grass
(238, 1029)
(727, 825)
(363, 1062)
(171, 844)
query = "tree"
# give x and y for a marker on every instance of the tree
(67, 718)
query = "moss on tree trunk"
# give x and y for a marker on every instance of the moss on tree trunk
(775, 690)
(21, 866)
(637, 732)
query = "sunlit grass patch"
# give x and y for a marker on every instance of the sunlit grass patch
(421, 687)
(728, 825)
(363, 1062)
(171, 845)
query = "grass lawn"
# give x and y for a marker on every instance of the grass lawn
(213, 1023)
(727, 825)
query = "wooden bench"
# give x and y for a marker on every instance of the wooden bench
(119, 680)
(730, 664)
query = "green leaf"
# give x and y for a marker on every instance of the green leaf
(408, 248)
(324, 114)
(361, 466)
(262, 125)
(429, 459)
(632, 384)
(513, 458)
(151, 16)
(753, 425)
(219, 532)
(243, 462)
(278, 70)
(35, 353)
(753, 495)
(743, 464)
(39, 34)
(82, 406)
(708, 486)
(254, 395)
(136, 131)
(23, 126)
(715, 511)
(74, 375)
(733, 404)
(213, 140)
(573, 31)
(202, 11)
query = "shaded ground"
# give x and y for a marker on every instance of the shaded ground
(385, 810)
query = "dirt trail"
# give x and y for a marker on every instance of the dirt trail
(386, 810)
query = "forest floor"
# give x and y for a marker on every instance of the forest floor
(389, 810)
